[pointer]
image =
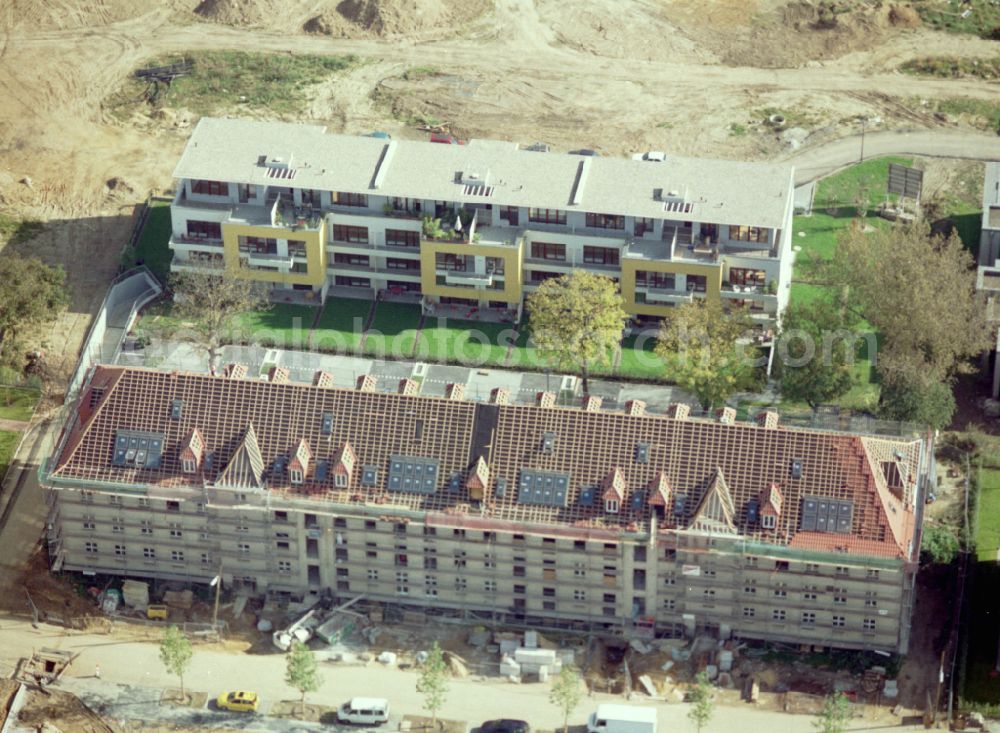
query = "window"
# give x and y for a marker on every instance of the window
(611, 506)
(340, 522)
(430, 586)
(452, 262)
(284, 566)
(240, 498)
(812, 567)
(489, 561)
(519, 571)
(639, 553)
(839, 596)
(697, 283)
(402, 560)
(841, 570)
(781, 565)
(401, 238)
(669, 604)
(808, 618)
(548, 251)
(547, 216)
(748, 234)
(204, 229)
(345, 233)
(295, 475)
(670, 555)
(605, 221)
(428, 531)
(149, 553)
(751, 561)
(115, 500)
(341, 198)
(345, 258)
(781, 590)
(369, 524)
(809, 594)
(579, 595)
(396, 263)
(490, 586)
(282, 545)
(868, 626)
(670, 579)
(460, 584)
(340, 480)
(210, 188)
(460, 558)
(340, 554)
(206, 558)
(540, 276)
(708, 594)
(241, 526)
(173, 506)
(871, 574)
(579, 570)
(778, 614)
(430, 562)
(87, 496)
(88, 523)
(120, 550)
(768, 521)
(549, 592)
(642, 225)
(838, 622)
(117, 526)
(747, 277)
(243, 548)
(656, 280)
(352, 282)
(372, 574)
(177, 555)
(749, 612)
(188, 465)
(402, 583)
(176, 532)
(871, 600)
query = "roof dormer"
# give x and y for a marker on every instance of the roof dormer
(659, 491)
(770, 506)
(613, 487)
(298, 466)
(478, 479)
(192, 451)
(343, 466)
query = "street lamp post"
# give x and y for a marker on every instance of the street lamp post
(217, 583)
(863, 121)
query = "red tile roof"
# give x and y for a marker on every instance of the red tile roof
(249, 427)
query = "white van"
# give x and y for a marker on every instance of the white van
(364, 711)
(611, 718)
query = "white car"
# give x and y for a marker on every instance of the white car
(654, 156)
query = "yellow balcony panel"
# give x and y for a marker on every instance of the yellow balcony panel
(258, 266)
(471, 284)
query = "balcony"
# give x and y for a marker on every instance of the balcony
(467, 279)
(757, 293)
(501, 236)
(656, 294)
(184, 240)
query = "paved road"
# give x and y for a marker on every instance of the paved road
(816, 162)
(132, 676)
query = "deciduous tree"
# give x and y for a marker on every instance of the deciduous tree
(209, 304)
(176, 653)
(698, 340)
(939, 544)
(301, 672)
(815, 352)
(433, 682)
(917, 397)
(832, 718)
(702, 703)
(30, 292)
(566, 692)
(919, 292)
(577, 321)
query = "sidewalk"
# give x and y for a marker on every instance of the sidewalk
(132, 678)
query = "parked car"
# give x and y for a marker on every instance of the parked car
(585, 151)
(364, 711)
(240, 701)
(440, 137)
(506, 725)
(380, 135)
(654, 156)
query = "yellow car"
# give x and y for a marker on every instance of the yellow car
(241, 702)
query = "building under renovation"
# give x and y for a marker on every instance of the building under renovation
(529, 514)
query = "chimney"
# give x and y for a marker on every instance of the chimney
(454, 391)
(278, 375)
(636, 408)
(322, 379)
(768, 419)
(408, 387)
(678, 411)
(367, 383)
(234, 371)
(591, 403)
(545, 399)
(500, 396)
(726, 415)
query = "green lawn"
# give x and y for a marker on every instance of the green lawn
(524, 354)
(341, 324)
(988, 517)
(465, 342)
(17, 403)
(640, 363)
(393, 331)
(842, 189)
(153, 247)
(283, 325)
(8, 444)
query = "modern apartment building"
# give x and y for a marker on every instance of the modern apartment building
(988, 272)
(305, 212)
(533, 514)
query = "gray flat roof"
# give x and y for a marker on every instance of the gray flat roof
(719, 191)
